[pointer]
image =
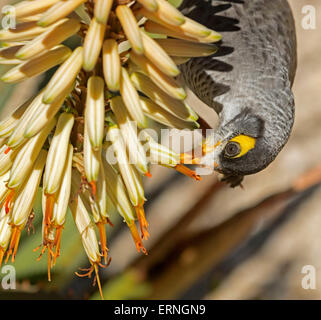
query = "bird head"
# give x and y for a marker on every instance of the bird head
(243, 146)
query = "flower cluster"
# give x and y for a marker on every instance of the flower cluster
(100, 96)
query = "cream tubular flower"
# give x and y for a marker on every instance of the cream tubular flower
(131, 177)
(119, 197)
(131, 29)
(166, 13)
(56, 34)
(160, 154)
(64, 77)
(5, 233)
(60, 205)
(131, 99)
(7, 157)
(129, 133)
(127, 170)
(63, 194)
(91, 161)
(17, 137)
(80, 213)
(3, 186)
(180, 60)
(23, 203)
(117, 192)
(8, 55)
(154, 27)
(23, 31)
(102, 10)
(37, 65)
(86, 229)
(45, 114)
(150, 5)
(93, 44)
(27, 155)
(181, 48)
(85, 226)
(164, 82)
(99, 200)
(98, 203)
(58, 11)
(189, 28)
(158, 114)
(95, 111)
(3, 141)
(27, 8)
(157, 55)
(58, 151)
(111, 64)
(176, 107)
(8, 124)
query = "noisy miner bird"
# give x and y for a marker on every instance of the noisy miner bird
(247, 82)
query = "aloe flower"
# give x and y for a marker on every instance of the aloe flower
(103, 95)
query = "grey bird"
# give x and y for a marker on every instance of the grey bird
(247, 82)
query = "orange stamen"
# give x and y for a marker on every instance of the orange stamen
(48, 246)
(93, 187)
(136, 237)
(188, 172)
(2, 251)
(14, 242)
(109, 222)
(98, 282)
(14, 230)
(50, 200)
(186, 158)
(7, 150)
(206, 148)
(8, 201)
(142, 221)
(57, 243)
(196, 161)
(49, 265)
(148, 175)
(87, 274)
(103, 239)
(89, 271)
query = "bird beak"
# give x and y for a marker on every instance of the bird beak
(211, 158)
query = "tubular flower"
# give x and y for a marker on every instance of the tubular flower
(104, 93)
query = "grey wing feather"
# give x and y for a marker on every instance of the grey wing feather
(258, 47)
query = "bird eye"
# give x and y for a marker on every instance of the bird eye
(239, 146)
(232, 149)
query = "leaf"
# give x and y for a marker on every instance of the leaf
(175, 3)
(126, 286)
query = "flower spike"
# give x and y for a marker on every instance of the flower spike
(86, 128)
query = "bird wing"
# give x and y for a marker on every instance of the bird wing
(258, 43)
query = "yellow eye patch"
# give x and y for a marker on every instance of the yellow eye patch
(246, 144)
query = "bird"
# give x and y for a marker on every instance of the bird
(247, 81)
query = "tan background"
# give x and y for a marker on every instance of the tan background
(274, 271)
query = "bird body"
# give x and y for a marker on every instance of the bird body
(248, 81)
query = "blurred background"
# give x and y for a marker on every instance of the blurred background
(207, 241)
